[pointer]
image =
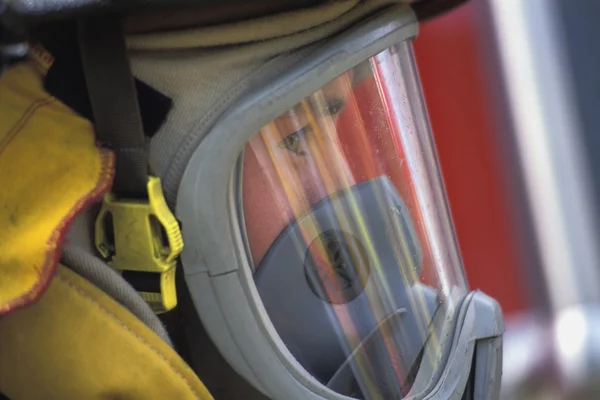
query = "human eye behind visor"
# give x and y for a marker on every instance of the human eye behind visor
(295, 142)
(292, 142)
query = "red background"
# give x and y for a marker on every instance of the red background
(451, 65)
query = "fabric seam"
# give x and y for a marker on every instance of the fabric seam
(73, 286)
(29, 112)
(56, 238)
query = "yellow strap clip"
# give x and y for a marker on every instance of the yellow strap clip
(139, 236)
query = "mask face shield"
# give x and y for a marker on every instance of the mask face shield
(348, 230)
(319, 249)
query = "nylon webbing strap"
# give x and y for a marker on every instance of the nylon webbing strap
(114, 102)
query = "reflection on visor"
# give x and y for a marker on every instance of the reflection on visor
(349, 233)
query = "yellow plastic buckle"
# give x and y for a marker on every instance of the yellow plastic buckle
(140, 236)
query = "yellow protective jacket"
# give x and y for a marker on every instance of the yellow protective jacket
(60, 336)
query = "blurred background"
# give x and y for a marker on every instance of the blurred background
(513, 91)
(452, 62)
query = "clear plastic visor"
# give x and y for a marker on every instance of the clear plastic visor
(348, 229)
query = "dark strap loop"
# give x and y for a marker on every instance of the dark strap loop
(114, 102)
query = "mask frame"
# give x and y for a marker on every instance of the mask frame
(215, 258)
